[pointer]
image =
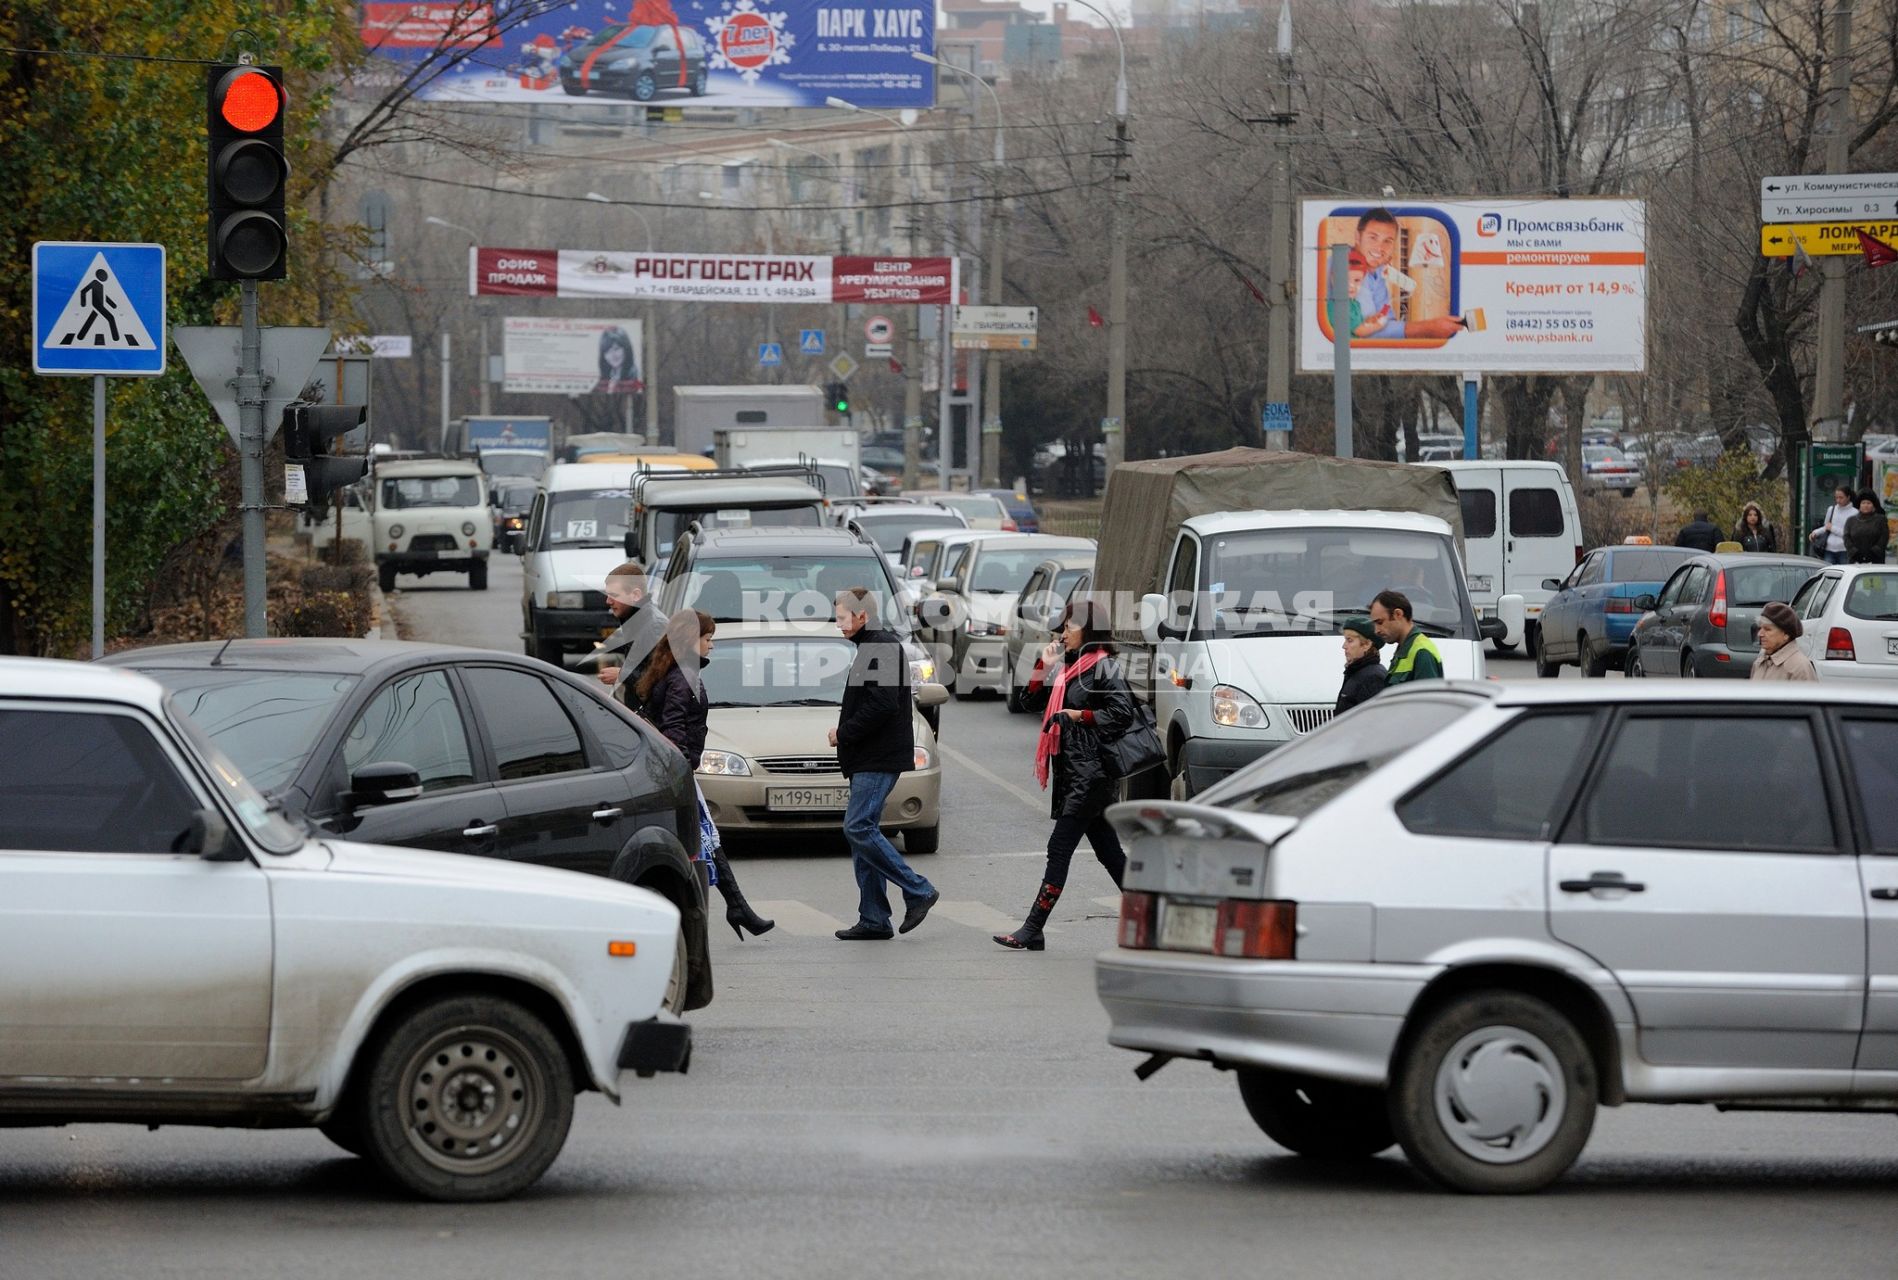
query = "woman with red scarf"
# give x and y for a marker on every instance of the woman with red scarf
(1089, 704)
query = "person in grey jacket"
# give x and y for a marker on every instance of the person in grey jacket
(624, 654)
(1363, 670)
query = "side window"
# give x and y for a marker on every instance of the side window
(1695, 781)
(1823, 599)
(1592, 570)
(1871, 747)
(1182, 581)
(73, 782)
(953, 564)
(1507, 789)
(1802, 601)
(664, 43)
(614, 730)
(415, 721)
(1671, 593)
(1033, 595)
(532, 736)
(1699, 583)
(1535, 513)
(535, 519)
(1479, 512)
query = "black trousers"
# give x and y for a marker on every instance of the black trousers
(1066, 838)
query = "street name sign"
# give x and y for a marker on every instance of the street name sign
(994, 328)
(1827, 208)
(98, 308)
(1823, 239)
(1833, 186)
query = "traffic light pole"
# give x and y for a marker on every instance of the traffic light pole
(250, 434)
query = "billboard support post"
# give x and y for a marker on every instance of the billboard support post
(1338, 307)
(1472, 442)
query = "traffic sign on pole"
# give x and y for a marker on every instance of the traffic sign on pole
(770, 354)
(98, 309)
(810, 342)
(1835, 186)
(1827, 208)
(878, 330)
(843, 366)
(1824, 239)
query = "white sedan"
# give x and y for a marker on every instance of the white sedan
(176, 951)
(1849, 619)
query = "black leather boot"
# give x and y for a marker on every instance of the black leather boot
(1028, 937)
(738, 912)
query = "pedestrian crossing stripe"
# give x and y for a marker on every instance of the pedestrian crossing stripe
(99, 315)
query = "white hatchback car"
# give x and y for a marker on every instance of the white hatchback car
(1848, 615)
(177, 952)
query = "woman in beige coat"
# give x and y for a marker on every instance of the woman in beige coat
(1780, 656)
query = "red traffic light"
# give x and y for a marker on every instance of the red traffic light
(249, 100)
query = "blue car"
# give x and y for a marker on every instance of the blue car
(1592, 613)
(1020, 510)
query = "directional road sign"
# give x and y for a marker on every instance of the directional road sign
(810, 342)
(1831, 186)
(98, 309)
(770, 354)
(1827, 208)
(843, 366)
(1823, 239)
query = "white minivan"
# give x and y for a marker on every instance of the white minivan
(1520, 526)
(576, 535)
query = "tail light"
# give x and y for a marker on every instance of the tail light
(1618, 604)
(1256, 930)
(1008, 526)
(1839, 646)
(1717, 616)
(1136, 920)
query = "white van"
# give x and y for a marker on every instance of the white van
(431, 515)
(576, 535)
(1520, 527)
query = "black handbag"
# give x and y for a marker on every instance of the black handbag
(1136, 750)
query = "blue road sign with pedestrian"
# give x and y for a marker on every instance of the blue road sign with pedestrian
(98, 309)
(810, 342)
(770, 354)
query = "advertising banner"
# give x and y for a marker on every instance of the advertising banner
(708, 277)
(564, 356)
(723, 53)
(1489, 286)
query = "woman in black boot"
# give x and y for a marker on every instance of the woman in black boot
(674, 702)
(1088, 703)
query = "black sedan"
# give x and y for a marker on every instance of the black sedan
(460, 750)
(1705, 621)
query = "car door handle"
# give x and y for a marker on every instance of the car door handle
(606, 815)
(1603, 880)
(1885, 894)
(479, 829)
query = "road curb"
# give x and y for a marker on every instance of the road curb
(385, 614)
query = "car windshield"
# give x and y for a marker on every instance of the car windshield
(1601, 453)
(268, 719)
(781, 588)
(1002, 571)
(587, 518)
(669, 524)
(639, 38)
(888, 528)
(976, 506)
(1310, 772)
(1293, 581)
(1874, 596)
(1644, 566)
(405, 492)
(526, 465)
(264, 819)
(777, 673)
(1756, 584)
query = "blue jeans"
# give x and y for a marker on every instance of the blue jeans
(1837, 557)
(874, 858)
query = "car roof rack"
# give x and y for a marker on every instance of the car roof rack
(806, 472)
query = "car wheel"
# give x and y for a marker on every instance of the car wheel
(1179, 787)
(1593, 665)
(645, 86)
(921, 840)
(1013, 696)
(467, 1098)
(1687, 665)
(1319, 1118)
(1495, 1094)
(1635, 670)
(698, 84)
(572, 90)
(1502, 647)
(385, 577)
(681, 969)
(1544, 668)
(478, 576)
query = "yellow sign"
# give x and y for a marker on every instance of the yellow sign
(1823, 239)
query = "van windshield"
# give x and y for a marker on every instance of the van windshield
(406, 492)
(587, 518)
(1296, 581)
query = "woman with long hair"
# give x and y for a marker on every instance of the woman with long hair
(1088, 704)
(672, 697)
(619, 366)
(1754, 532)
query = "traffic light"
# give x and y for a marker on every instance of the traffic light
(246, 172)
(308, 430)
(840, 397)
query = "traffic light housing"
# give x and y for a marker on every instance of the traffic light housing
(839, 393)
(308, 433)
(246, 172)
(1886, 337)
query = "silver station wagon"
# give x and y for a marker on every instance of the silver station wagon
(1463, 916)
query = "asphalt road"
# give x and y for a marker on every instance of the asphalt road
(936, 1106)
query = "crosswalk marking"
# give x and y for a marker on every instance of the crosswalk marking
(977, 915)
(799, 918)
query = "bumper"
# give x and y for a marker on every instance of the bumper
(1718, 662)
(1833, 669)
(1336, 1021)
(1206, 761)
(423, 561)
(572, 626)
(743, 805)
(984, 664)
(655, 1045)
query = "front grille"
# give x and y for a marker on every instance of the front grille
(798, 764)
(1306, 719)
(595, 600)
(433, 542)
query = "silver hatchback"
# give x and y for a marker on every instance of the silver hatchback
(1464, 916)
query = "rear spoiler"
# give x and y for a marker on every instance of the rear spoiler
(1184, 818)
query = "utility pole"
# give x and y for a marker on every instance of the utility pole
(1338, 307)
(1114, 427)
(447, 370)
(992, 362)
(250, 434)
(1828, 390)
(913, 369)
(487, 383)
(1282, 287)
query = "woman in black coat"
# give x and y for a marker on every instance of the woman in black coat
(1089, 704)
(1754, 532)
(1867, 533)
(1363, 672)
(673, 700)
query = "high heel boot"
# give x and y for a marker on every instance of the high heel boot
(1028, 937)
(738, 912)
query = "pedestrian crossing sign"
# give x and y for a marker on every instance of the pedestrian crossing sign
(810, 342)
(770, 354)
(98, 309)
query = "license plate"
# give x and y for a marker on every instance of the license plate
(1482, 582)
(1186, 926)
(1891, 645)
(793, 798)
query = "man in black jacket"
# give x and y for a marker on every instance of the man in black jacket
(1702, 534)
(1363, 672)
(624, 654)
(875, 742)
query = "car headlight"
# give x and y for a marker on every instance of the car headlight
(396, 531)
(921, 670)
(566, 599)
(724, 764)
(515, 522)
(467, 528)
(923, 758)
(1236, 709)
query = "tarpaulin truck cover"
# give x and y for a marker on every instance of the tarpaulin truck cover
(1147, 501)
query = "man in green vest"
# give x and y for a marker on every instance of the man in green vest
(1416, 657)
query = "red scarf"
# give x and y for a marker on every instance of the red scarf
(1050, 741)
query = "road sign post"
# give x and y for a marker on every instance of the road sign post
(98, 310)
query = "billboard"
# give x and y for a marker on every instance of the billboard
(723, 53)
(1490, 286)
(562, 356)
(709, 277)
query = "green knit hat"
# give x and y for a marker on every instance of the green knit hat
(1364, 628)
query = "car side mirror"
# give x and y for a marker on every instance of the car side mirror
(931, 694)
(1494, 630)
(632, 545)
(384, 782)
(948, 585)
(209, 837)
(1552, 584)
(1153, 624)
(1513, 612)
(1645, 603)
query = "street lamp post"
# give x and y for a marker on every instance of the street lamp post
(480, 315)
(651, 357)
(1114, 428)
(991, 456)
